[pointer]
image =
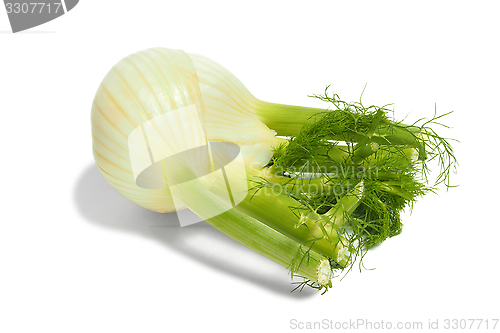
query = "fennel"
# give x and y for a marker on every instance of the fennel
(316, 201)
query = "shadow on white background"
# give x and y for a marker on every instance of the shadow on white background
(101, 205)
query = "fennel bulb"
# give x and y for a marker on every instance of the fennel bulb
(165, 125)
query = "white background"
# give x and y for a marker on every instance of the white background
(77, 257)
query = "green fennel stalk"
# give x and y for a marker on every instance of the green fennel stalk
(338, 200)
